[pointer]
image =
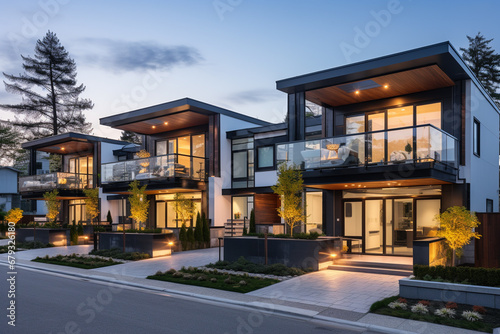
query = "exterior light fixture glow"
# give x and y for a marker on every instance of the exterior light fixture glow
(153, 127)
(62, 148)
(170, 243)
(357, 92)
(333, 255)
(86, 238)
(166, 123)
(386, 86)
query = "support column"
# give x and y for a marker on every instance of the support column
(328, 212)
(296, 116)
(32, 164)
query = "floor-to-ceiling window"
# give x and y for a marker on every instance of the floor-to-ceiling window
(314, 211)
(185, 154)
(77, 211)
(242, 163)
(83, 167)
(166, 215)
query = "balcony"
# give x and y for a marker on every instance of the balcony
(59, 180)
(414, 145)
(170, 166)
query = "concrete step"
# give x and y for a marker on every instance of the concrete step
(383, 265)
(371, 270)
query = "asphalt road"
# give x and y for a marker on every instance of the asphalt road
(47, 303)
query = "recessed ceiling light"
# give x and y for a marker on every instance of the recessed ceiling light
(386, 86)
(153, 127)
(166, 123)
(62, 149)
(357, 92)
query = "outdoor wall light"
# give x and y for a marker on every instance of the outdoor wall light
(386, 86)
(170, 243)
(333, 255)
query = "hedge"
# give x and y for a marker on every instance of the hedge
(467, 275)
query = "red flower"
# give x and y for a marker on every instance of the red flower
(479, 309)
(451, 305)
(424, 302)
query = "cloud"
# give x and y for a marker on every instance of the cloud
(255, 96)
(137, 56)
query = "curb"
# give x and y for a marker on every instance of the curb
(262, 306)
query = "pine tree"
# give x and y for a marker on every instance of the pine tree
(206, 230)
(50, 95)
(131, 137)
(183, 236)
(252, 222)
(9, 144)
(198, 230)
(484, 63)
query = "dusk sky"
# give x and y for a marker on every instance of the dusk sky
(230, 53)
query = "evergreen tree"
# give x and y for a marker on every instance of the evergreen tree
(50, 95)
(109, 219)
(183, 237)
(484, 63)
(252, 222)
(198, 230)
(9, 144)
(190, 237)
(206, 230)
(131, 137)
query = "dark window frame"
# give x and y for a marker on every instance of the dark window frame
(489, 203)
(257, 162)
(476, 137)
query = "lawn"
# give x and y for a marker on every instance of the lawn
(213, 279)
(490, 317)
(77, 261)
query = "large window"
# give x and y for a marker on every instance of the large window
(77, 212)
(265, 157)
(84, 167)
(243, 163)
(189, 153)
(166, 216)
(476, 137)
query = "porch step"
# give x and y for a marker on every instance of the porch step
(373, 264)
(371, 270)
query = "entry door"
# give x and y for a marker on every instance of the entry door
(374, 226)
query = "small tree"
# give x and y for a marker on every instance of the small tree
(139, 204)
(184, 207)
(109, 219)
(198, 231)
(183, 236)
(14, 215)
(456, 226)
(289, 188)
(91, 203)
(206, 230)
(252, 229)
(73, 234)
(190, 237)
(52, 204)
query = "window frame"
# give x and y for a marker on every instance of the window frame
(257, 160)
(476, 137)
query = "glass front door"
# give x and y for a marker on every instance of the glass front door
(374, 226)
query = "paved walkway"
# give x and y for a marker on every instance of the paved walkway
(342, 297)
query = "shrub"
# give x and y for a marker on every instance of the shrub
(465, 275)
(252, 228)
(243, 282)
(420, 309)
(471, 316)
(397, 305)
(213, 280)
(171, 271)
(177, 274)
(198, 231)
(202, 278)
(445, 312)
(479, 309)
(402, 300)
(228, 281)
(451, 305)
(183, 236)
(424, 302)
(80, 229)
(206, 230)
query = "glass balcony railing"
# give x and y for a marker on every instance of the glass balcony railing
(423, 143)
(163, 166)
(58, 180)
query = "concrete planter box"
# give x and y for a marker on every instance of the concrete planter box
(290, 252)
(55, 236)
(459, 293)
(154, 244)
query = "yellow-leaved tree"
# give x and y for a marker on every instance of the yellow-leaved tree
(91, 203)
(139, 204)
(289, 188)
(457, 227)
(52, 204)
(14, 215)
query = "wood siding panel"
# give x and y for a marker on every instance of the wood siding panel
(486, 252)
(265, 209)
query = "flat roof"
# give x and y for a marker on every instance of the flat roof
(174, 107)
(442, 54)
(68, 137)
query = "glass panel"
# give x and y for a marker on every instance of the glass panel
(161, 147)
(172, 146)
(400, 117)
(266, 156)
(403, 226)
(436, 138)
(355, 124)
(72, 165)
(353, 215)
(83, 165)
(376, 122)
(90, 165)
(241, 206)
(160, 214)
(353, 153)
(424, 144)
(400, 145)
(171, 216)
(429, 114)
(375, 144)
(374, 226)
(426, 211)
(199, 145)
(183, 166)
(240, 165)
(198, 168)
(314, 210)
(184, 145)
(312, 109)
(389, 228)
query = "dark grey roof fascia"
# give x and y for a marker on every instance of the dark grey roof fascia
(64, 137)
(249, 132)
(443, 54)
(159, 110)
(11, 168)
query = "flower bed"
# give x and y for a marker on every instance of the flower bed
(213, 279)
(77, 261)
(243, 264)
(117, 253)
(462, 275)
(446, 313)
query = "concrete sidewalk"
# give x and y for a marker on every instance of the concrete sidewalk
(341, 297)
